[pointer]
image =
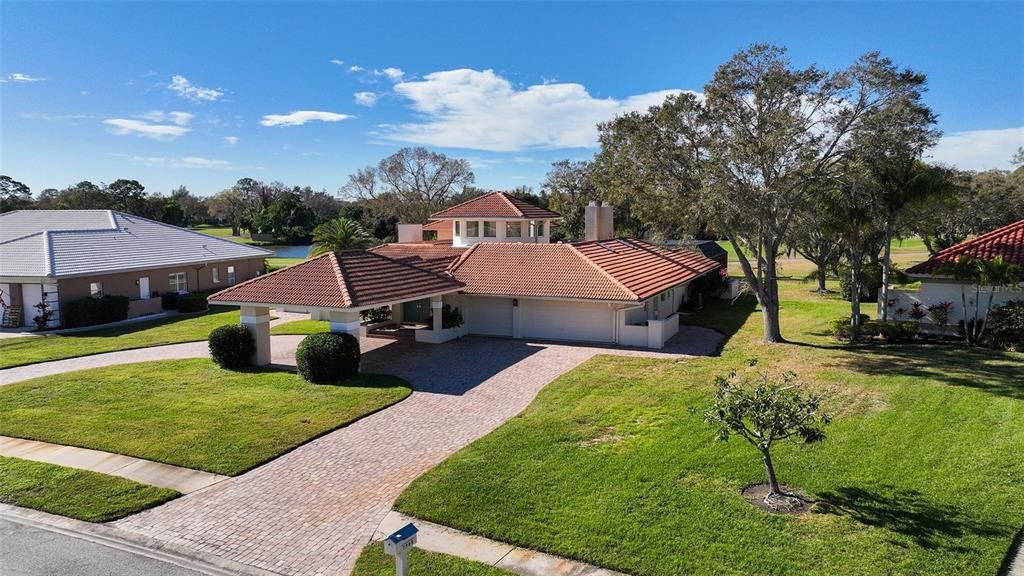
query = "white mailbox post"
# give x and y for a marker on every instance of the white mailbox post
(398, 545)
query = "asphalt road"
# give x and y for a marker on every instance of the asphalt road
(31, 551)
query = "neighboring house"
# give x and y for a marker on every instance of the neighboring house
(65, 255)
(1006, 242)
(501, 274)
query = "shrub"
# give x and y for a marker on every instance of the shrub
(870, 280)
(374, 315)
(328, 357)
(193, 302)
(909, 328)
(169, 301)
(232, 346)
(450, 318)
(93, 311)
(890, 332)
(940, 312)
(1005, 328)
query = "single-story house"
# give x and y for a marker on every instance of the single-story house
(66, 255)
(501, 274)
(936, 287)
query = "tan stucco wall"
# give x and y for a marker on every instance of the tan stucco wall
(124, 283)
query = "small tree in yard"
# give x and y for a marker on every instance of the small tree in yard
(764, 411)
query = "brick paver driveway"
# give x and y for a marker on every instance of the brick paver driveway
(312, 510)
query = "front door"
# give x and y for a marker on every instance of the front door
(144, 288)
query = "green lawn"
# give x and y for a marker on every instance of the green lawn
(189, 412)
(76, 493)
(275, 263)
(302, 327)
(223, 232)
(374, 562)
(33, 349)
(612, 464)
(905, 253)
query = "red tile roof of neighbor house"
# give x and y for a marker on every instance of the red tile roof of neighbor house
(438, 225)
(434, 256)
(495, 205)
(347, 279)
(1006, 242)
(619, 270)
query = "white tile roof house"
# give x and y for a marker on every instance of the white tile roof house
(64, 255)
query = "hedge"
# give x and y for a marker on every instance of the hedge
(93, 311)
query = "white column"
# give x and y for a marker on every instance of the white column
(257, 319)
(344, 321)
(396, 313)
(436, 305)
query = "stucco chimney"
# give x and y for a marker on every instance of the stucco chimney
(410, 233)
(599, 221)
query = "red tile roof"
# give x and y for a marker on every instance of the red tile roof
(619, 270)
(433, 256)
(439, 225)
(348, 279)
(1007, 242)
(495, 205)
(643, 268)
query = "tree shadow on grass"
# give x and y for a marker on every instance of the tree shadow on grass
(722, 316)
(995, 372)
(929, 524)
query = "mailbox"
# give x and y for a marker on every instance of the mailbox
(398, 545)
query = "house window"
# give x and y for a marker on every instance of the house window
(514, 229)
(472, 229)
(456, 227)
(216, 275)
(231, 275)
(96, 289)
(176, 282)
(490, 229)
(536, 228)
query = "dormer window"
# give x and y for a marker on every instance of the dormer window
(490, 229)
(536, 228)
(472, 229)
(513, 229)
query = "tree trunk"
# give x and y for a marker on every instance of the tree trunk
(855, 295)
(773, 482)
(821, 280)
(770, 304)
(988, 312)
(886, 264)
(963, 303)
(235, 231)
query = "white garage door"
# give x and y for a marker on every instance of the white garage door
(560, 320)
(490, 316)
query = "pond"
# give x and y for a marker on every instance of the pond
(301, 251)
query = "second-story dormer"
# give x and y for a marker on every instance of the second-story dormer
(495, 217)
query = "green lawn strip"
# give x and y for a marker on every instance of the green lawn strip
(75, 493)
(189, 412)
(374, 562)
(173, 330)
(301, 327)
(612, 463)
(225, 233)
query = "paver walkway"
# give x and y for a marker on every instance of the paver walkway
(311, 511)
(184, 480)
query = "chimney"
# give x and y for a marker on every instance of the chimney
(600, 221)
(410, 233)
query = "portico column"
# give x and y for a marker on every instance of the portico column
(257, 319)
(344, 321)
(436, 306)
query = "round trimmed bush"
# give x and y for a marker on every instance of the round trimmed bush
(232, 346)
(328, 357)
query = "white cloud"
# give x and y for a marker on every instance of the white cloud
(481, 110)
(231, 140)
(19, 77)
(336, 62)
(365, 98)
(356, 68)
(393, 74)
(186, 89)
(179, 118)
(978, 149)
(196, 162)
(128, 126)
(300, 117)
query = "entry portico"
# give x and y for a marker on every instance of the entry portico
(337, 286)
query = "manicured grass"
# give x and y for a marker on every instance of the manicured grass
(224, 232)
(905, 253)
(275, 263)
(189, 412)
(374, 562)
(302, 327)
(32, 349)
(612, 464)
(75, 493)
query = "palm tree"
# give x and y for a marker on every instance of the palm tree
(339, 234)
(992, 274)
(995, 273)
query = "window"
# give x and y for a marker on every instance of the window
(457, 228)
(514, 229)
(536, 228)
(216, 275)
(96, 289)
(231, 275)
(176, 282)
(490, 229)
(472, 229)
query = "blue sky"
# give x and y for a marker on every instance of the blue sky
(202, 94)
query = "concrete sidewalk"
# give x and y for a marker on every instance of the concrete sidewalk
(184, 480)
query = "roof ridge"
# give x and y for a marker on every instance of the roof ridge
(461, 259)
(22, 237)
(602, 271)
(986, 236)
(452, 207)
(508, 200)
(341, 276)
(407, 265)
